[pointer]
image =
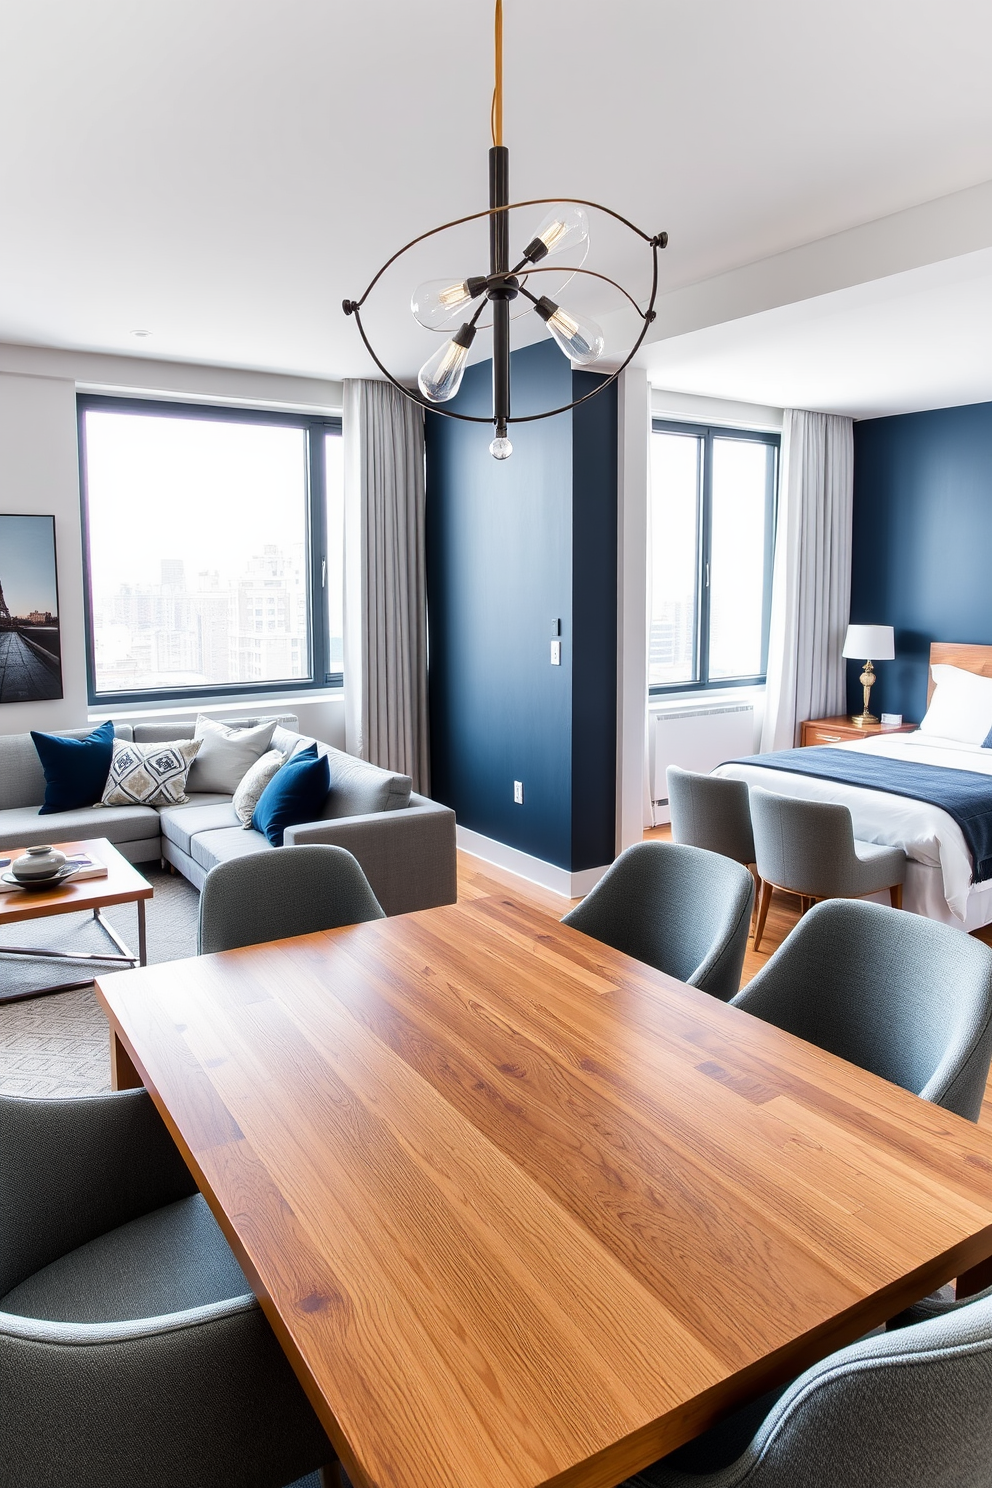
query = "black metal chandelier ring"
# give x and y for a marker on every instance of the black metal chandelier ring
(656, 243)
(436, 304)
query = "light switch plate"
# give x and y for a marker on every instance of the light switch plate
(556, 653)
(518, 792)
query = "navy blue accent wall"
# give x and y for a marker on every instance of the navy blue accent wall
(594, 623)
(512, 546)
(922, 542)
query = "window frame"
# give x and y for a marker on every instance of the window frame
(706, 433)
(315, 428)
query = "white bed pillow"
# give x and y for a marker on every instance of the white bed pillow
(961, 707)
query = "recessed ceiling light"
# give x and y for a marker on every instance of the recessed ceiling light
(141, 333)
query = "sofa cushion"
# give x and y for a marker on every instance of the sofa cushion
(219, 846)
(76, 770)
(358, 788)
(22, 780)
(226, 754)
(295, 794)
(23, 826)
(250, 787)
(150, 774)
(204, 813)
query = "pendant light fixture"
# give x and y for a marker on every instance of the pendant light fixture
(446, 305)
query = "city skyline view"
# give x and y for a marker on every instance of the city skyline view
(199, 551)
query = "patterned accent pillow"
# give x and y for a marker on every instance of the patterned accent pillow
(150, 774)
(255, 779)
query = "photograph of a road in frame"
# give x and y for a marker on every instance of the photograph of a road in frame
(30, 649)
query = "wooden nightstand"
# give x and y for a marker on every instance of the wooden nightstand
(839, 730)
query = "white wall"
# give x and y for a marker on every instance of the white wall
(39, 474)
(695, 409)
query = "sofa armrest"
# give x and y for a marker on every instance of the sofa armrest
(75, 1168)
(408, 856)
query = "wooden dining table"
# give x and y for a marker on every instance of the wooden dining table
(522, 1210)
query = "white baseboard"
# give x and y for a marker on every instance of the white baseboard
(548, 875)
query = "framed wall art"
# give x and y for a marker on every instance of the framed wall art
(30, 646)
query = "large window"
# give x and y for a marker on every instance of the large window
(712, 534)
(213, 549)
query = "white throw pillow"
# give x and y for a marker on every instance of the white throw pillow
(149, 774)
(226, 753)
(255, 780)
(961, 707)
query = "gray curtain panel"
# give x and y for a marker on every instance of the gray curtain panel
(385, 589)
(811, 585)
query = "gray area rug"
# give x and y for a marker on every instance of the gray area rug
(59, 1045)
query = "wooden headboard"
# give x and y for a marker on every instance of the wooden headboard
(969, 658)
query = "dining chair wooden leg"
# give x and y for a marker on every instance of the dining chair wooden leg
(895, 896)
(757, 893)
(330, 1476)
(766, 899)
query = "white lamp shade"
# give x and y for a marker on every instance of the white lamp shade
(870, 643)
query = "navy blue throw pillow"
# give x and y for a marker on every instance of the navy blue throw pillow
(295, 794)
(76, 770)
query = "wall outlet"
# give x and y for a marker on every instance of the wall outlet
(518, 792)
(556, 653)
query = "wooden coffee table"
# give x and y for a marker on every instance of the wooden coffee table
(122, 885)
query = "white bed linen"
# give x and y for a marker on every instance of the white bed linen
(938, 877)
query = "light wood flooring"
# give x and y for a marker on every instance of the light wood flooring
(476, 877)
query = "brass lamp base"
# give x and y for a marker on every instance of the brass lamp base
(862, 720)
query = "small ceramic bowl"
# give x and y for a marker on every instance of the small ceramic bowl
(38, 863)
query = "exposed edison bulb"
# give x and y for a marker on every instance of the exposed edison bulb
(438, 300)
(441, 377)
(501, 448)
(580, 339)
(565, 226)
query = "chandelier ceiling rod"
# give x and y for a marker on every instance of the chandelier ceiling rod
(437, 302)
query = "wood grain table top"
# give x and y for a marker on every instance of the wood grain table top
(122, 885)
(522, 1210)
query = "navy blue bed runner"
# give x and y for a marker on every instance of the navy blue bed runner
(965, 795)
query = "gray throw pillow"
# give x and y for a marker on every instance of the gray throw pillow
(251, 787)
(226, 754)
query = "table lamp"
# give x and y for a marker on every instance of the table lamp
(876, 641)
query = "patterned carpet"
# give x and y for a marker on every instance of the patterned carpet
(58, 1045)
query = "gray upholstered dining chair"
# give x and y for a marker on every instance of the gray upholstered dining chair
(809, 848)
(681, 909)
(273, 895)
(713, 812)
(902, 996)
(903, 1407)
(131, 1348)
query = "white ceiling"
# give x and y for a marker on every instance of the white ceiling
(224, 172)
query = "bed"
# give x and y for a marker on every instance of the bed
(939, 878)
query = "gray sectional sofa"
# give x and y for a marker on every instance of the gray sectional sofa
(404, 842)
